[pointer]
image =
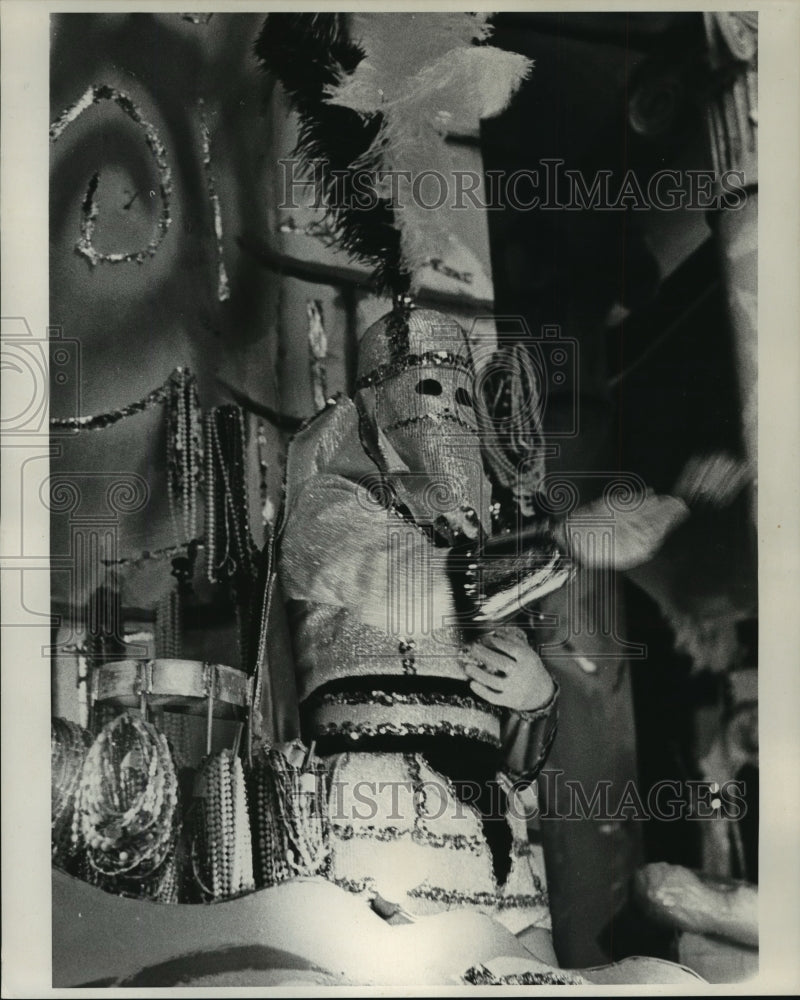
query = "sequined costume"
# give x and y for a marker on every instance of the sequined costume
(416, 809)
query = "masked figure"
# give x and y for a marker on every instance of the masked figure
(425, 730)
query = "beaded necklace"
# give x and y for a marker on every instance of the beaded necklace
(99, 421)
(126, 817)
(69, 744)
(260, 660)
(230, 549)
(168, 552)
(227, 503)
(184, 452)
(222, 853)
(289, 815)
(168, 625)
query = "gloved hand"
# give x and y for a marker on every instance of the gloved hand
(504, 670)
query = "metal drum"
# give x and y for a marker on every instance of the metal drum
(168, 690)
(186, 685)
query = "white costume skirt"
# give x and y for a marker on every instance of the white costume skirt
(399, 830)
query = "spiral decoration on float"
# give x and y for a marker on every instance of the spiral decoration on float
(89, 210)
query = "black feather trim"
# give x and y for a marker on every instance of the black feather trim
(308, 53)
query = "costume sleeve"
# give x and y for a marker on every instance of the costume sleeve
(527, 738)
(342, 548)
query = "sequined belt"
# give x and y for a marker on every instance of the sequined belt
(386, 709)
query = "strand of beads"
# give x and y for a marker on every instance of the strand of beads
(69, 744)
(175, 619)
(160, 637)
(183, 447)
(244, 583)
(168, 624)
(184, 451)
(243, 877)
(260, 635)
(126, 816)
(177, 727)
(236, 489)
(269, 860)
(227, 501)
(168, 552)
(304, 806)
(100, 421)
(291, 813)
(225, 566)
(211, 503)
(200, 834)
(165, 888)
(223, 851)
(184, 479)
(213, 821)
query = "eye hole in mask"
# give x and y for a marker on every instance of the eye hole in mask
(429, 387)
(463, 397)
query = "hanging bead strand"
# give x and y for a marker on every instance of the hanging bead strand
(210, 487)
(184, 453)
(183, 445)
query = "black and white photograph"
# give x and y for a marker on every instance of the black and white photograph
(400, 522)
